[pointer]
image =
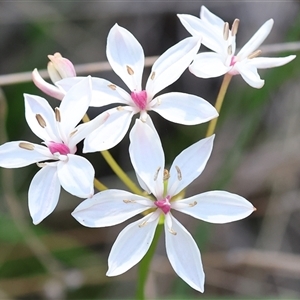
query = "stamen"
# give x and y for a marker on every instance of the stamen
(172, 231)
(119, 108)
(129, 70)
(156, 174)
(193, 204)
(26, 146)
(152, 75)
(235, 27)
(143, 224)
(179, 175)
(57, 114)
(73, 132)
(129, 201)
(112, 86)
(41, 165)
(254, 54)
(40, 120)
(166, 174)
(226, 31)
(229, 50)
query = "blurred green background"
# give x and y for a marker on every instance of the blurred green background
(256, 155)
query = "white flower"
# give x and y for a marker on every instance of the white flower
(126, 57)
(60, 166)
(58, 67)
(217, 36)
(112, 207)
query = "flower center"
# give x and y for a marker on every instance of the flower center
(58, 148)
(164, 204)
(140, 99)
(234, 59)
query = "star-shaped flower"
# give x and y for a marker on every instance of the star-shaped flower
(59, 164)
(112, 207)
(126, 57)
(217, 36)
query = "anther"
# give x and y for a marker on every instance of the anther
(128, 201)
(73, 132)
(166, 174)
(156, 174)
(254, 54)
(41, 165)
(26, 146)
(152, 75)
(235, 27)
(120, 108)
(229, 50)
(226, 31)
(172, 231)
(129, 70)
(112, 87)
(193, 204)
(179, 175)
(40, 120)
(143, 224)
(57, 114)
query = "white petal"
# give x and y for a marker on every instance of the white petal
(74, 106)
(147, 157)
(13, 156)
(200, 29)
(46, 87)
(184, 108)
(184, 255)
(249, 74)
(131, 245)
(85, 129)
(111, 132)
(189, 164)
(76, 176)
(171, 64)
(211, 19)
(110, 207)
(270, 62)
(215, 207)
(125, 54)
(43, 194)
(208, 65)
(35, 105)
(256, 39)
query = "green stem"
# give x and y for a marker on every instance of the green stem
(223, 89)
(143, 269)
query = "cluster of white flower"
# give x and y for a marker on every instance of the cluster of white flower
(60, 132)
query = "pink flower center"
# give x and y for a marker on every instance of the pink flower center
(164, 204)
(58, 148)
(140, 99)
(234, 59)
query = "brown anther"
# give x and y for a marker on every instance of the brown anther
(254, 54)
(112, 87)
(73, 132)
(193, 204)
(226, 31)
(143, 224)
(179, 175)
(26, 146)
(166, 174)
(229, 50)
(235, 27)
(129, 70)
(40, 120)
(172, 231)
(57, 114)
(128, 201)
(152, 75)
(156, 174)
